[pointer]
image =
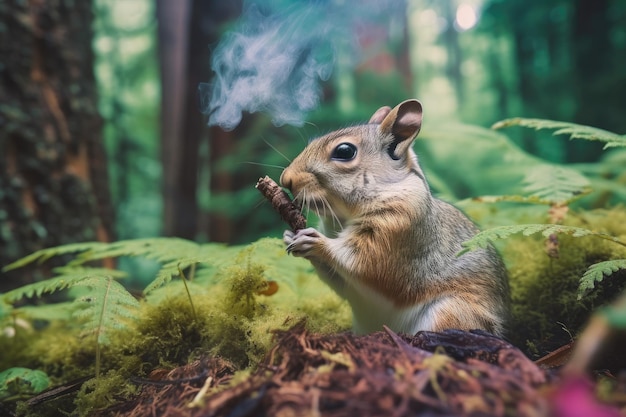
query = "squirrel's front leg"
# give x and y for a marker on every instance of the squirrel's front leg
(310, 244)
(306, 243)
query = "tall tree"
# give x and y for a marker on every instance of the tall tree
(187, 29)
(53, 172)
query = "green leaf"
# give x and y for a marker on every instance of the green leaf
(596, 273)
(22, 381)
(508, 199)
(487, 237)
(68, 277)
(105, 306)
(171, 252)
(159, 249)
(555, 184)
(575, 131)
(44, 254)
(108, 306)
(170, 270)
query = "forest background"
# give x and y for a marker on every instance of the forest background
(103, 136)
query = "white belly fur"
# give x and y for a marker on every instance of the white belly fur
(370, 311)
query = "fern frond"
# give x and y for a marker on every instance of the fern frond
(485, 238)
(67, 277)
(506, 198)
(575, 131)
(160, 249)
(45, 254)
(170, 270)
(106, 307)
(555, 184)
(596, 273)
(171, 252)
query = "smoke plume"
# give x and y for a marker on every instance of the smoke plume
(275, 58)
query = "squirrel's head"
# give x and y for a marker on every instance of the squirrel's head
(349, 170)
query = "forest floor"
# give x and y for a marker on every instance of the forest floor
(453, 373)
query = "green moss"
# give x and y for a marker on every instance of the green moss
(231, 318)
(545, 309)
(97, 394)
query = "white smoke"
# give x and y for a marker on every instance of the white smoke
(275, 58)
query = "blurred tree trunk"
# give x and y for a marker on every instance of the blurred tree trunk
(187, 29)
(455, 58)
(591, 33)
(53, 173)
(177, 139)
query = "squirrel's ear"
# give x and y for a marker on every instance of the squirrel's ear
(402, 123)
(379, 115)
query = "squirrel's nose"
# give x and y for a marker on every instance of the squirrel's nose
(285, 179)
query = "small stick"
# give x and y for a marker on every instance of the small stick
(281, 202)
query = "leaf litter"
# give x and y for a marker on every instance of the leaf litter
(451, 373)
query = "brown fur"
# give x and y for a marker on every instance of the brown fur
(384, 233)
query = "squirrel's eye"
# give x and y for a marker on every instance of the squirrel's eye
(344, 152)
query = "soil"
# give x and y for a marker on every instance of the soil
(452, 373)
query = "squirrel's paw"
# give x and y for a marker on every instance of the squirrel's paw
(302, 243)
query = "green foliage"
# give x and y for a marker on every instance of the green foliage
(547, 290)
(117, 336)
(174, 254)
(487, 237)
(553, 184)
(45, 254)
(557, 186)
(16, 382)
(596, 273)
(545, 184)
(107, 306)
(65, 278)
(575, 131)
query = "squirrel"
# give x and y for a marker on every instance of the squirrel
(385, 243)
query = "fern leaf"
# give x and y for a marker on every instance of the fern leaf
(485, 238)
(575, 131)
(45, 254)
(169, 270)
(555, 184)
(596, 273)
(171, 252)
(159, 249)
(105, 307)
(67, 277)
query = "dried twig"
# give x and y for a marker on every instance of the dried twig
(281, 202)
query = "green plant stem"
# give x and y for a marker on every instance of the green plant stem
(100, 324)
(182, 274)
(611, 239)
(192, 272)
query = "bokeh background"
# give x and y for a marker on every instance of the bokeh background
(125, 119)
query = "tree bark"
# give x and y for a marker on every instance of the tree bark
(179, 193)
(53, 173)
(187, 30)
